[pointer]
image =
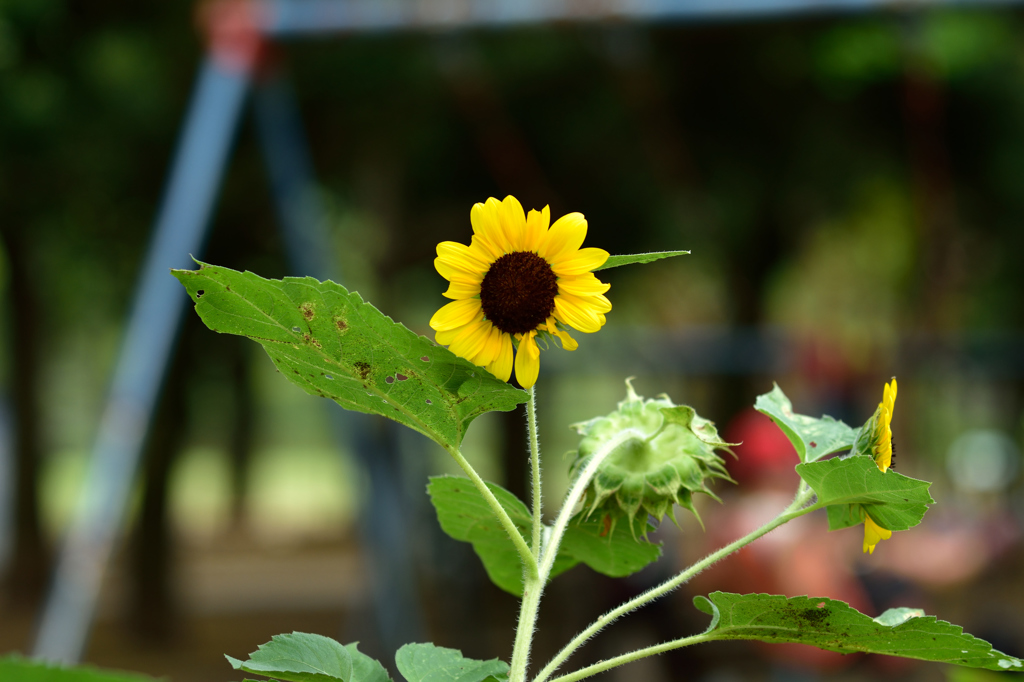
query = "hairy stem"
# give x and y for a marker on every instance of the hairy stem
(525, 555)
(532, 592)
(601, 666)
(531, 421)
(794, 510)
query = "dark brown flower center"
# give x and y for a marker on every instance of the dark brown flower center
(518, 292)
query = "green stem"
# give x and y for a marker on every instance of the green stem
(532, 590)
(632, 656)
(531, 420)
(529, 562)
(576, 491)
(794, 510)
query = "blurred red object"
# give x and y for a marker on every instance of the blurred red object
(764, 453)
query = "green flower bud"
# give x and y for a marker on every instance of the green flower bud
(670, 456)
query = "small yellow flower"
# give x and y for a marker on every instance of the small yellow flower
(882, 450)
(518, 279)
(873, 534)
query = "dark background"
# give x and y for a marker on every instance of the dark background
(851, 191)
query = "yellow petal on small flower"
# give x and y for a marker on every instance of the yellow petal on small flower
(527, 360)
(463, 257)
(456, 314)
(889, 395)
(583, 319)
(582, 285)
(460, 290)
(502, 365)
(873, 534)
(487, 227)
(456, 274)
(565, 237)
(578, 262)
(472, 341)
(536, 227)
(513, 223)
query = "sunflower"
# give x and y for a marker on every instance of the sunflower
(518, 282)
(882, 451)
(873, 534)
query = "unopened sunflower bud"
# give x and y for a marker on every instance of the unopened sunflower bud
(668, 453)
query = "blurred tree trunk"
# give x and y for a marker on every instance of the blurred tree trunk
(30, 565)
(152, 613)
(242, 424)
(942, 270)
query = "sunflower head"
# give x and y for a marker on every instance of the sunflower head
(875, 438)
(873, 534)
(521, 280)
(669, 456)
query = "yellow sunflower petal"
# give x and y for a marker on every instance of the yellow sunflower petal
(472, 340)
(564, 237)
(594, 302)
(582, 285)
(577, 317)
(487, 231)
(463, 257)
(456, 314)
(513, 223)
(568, 343)
(502, 365)
(873, 534)
(447, 336)
(578, 262)
(536, 227)
(527, 360)
(459, 290)
(490, 349)
(457, 274)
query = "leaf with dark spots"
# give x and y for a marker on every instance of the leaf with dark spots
(298, 320)
(836, 626)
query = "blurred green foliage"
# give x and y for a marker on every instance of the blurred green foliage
(795, 159)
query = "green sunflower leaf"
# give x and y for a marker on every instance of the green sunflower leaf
(429, 663)
(836, 626)
(616, 261)
(18, 669)
(303, 657)
(614, 552)
(465, 516)
(332, 344)
(813, 438)
(894, 501)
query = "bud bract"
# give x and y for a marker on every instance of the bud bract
(665, 453)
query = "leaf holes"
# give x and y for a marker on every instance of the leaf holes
(401, 377)
(429, 401)
(425, 358)
(390, 380)
(472, 374)
(813, 444)
(200, 293)
(328, 376)
(821, 605)
(296, 330)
